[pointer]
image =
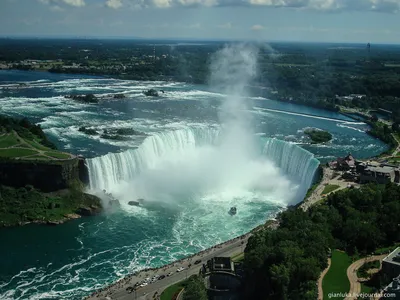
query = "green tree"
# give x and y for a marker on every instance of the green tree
(195, 289)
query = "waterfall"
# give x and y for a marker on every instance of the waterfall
(296, 162)
(108, 171)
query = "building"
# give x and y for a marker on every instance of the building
(343, 163)
(391, 264)
(379, 174)
(221, 279)
(221, 264)
(392, 291)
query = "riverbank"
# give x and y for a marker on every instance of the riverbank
(120, 288)
(26, 205)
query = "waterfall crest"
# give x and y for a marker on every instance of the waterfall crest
(106, 172)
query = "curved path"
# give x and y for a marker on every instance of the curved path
(355, 286)
(24, 145)
(321, 278)
(397, 150)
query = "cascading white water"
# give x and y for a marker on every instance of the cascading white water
(296, 162)
(108, 171)
(196, 163)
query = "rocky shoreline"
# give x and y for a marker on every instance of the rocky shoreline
(81, 212)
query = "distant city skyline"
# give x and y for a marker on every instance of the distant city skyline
(355, 21)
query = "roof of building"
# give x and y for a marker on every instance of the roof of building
(384, 169)
(394, 257)
(221, 264)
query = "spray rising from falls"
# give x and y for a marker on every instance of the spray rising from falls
(198, 164)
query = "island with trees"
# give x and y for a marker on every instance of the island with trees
(318, 136)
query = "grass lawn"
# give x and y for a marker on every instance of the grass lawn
(238, 257)
(330, 188)
(8, 140)
(58, 155)
(37, 145)
(16, 152)
(170, 291)
(336, 281)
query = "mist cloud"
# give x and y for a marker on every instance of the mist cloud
(233, 166)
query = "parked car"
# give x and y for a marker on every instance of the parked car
(197, 262)
(180, 269)
(161, 277)
(170, 273)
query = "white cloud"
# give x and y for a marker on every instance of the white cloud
(76, 3)
(115, 4)
(388, 6)
(198, 2)
(162, 3)
(225, 26)
(257, 27)
(391, 6)
(56, 8)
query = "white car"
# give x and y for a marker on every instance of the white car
(180, 269)
(170, 273)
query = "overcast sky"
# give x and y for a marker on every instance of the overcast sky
(362, 21)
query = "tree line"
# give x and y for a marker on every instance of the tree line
(286, 263)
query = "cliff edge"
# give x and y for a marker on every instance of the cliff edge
(38, 183)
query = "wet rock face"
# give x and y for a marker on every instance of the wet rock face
(45, 177)
(83, 171)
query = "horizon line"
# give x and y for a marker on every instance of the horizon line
(185, 39)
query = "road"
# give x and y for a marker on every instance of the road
(118, 290)
(355, 286)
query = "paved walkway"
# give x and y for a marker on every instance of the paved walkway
(118, 289)
(321, 278)
(397, 150)
(355, 286)
(327, 179)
